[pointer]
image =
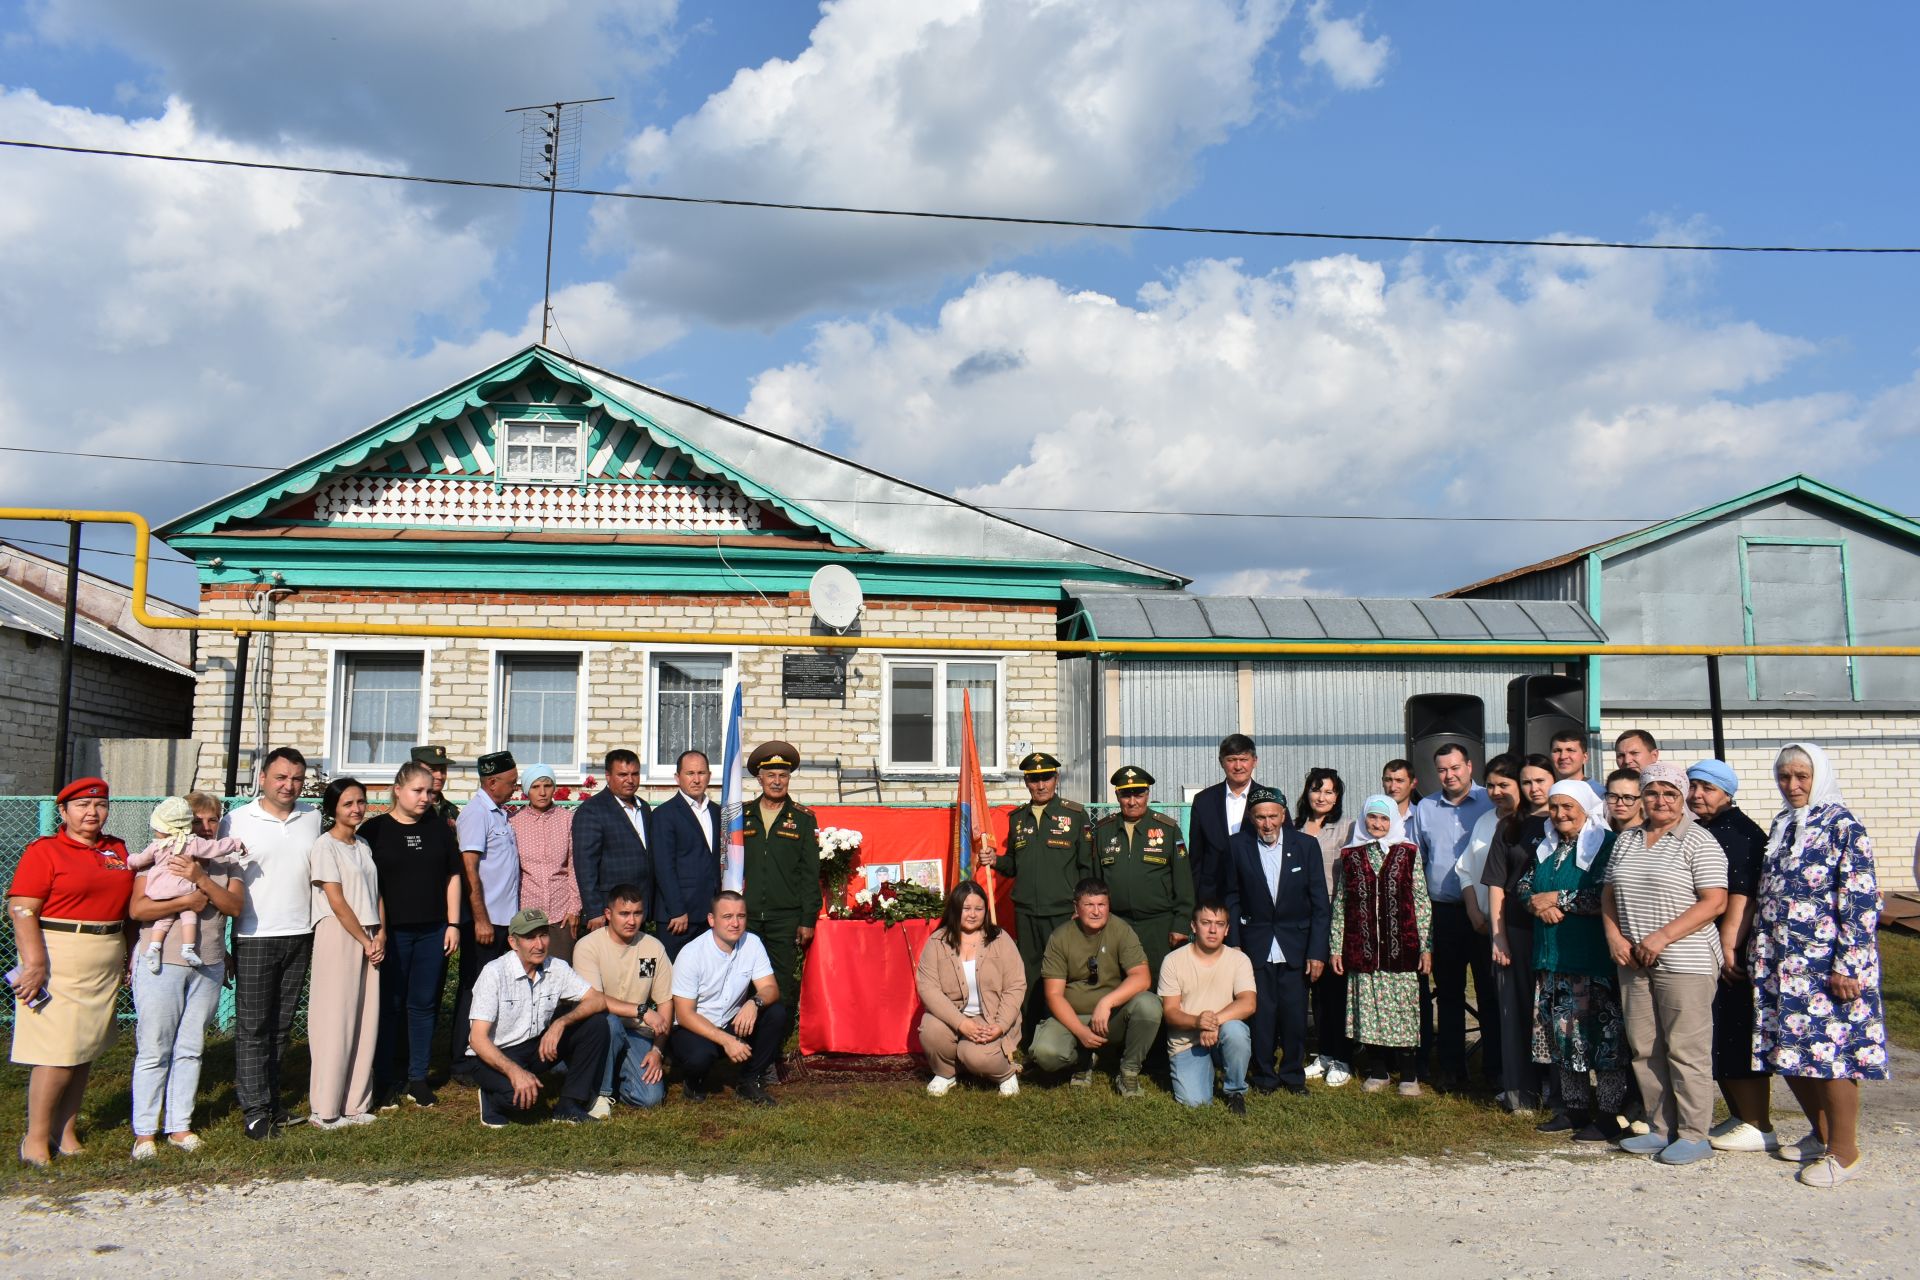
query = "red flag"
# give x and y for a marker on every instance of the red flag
(971, 817)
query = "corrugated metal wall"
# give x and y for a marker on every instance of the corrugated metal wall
(1172, 717)
(1564, 582)
(1351, 716)
(1348, 716)
(1074, 747)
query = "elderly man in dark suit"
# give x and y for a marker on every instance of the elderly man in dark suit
(610, 839)
(1218, 812)
(687, 838)
(1279, 911)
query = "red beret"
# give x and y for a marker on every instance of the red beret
(83, 789)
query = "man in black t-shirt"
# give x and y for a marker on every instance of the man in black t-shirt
(418, 861)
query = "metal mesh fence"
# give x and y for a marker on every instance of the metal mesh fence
(24, 819)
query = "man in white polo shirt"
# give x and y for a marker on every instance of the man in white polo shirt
(273, 938)
(518, 1028)
(726, 1001)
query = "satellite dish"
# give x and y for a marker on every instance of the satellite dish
(835, 596)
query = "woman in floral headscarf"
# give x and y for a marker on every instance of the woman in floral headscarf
(1815, 964)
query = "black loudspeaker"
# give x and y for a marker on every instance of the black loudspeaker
(1436, 719)
(1539, 707)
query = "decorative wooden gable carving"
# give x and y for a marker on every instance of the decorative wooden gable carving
(451, 475)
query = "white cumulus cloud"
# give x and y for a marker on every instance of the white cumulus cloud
(161, 309)
(1553, 381)
(1095, 108)
(1341, 47)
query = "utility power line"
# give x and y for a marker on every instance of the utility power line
(1355, 516)
(1082, 224)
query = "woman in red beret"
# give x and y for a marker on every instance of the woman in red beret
(68, 902)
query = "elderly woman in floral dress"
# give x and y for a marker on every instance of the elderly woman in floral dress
(1815, 964)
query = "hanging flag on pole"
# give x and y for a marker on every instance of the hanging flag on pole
(971, 817)
(733, 792)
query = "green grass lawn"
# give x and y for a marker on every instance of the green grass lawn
(823, 1128)
(826, 1126)
(1900, 986)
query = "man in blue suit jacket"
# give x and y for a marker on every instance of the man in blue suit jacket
(610, 838)
(1218, 812)
(687, 838)
(1277, 904)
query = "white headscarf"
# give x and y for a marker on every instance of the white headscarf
(1826, 791)
(1397, 834)
(1592, 834)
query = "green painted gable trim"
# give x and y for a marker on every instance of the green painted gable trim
(1892, 521)
(586, 568)
(450, 408)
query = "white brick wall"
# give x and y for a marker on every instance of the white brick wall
(461, 673)
(1877, 757)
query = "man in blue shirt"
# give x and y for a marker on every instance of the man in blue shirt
(1442, 827)
(490, 860)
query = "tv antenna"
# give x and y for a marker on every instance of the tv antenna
(550, 153)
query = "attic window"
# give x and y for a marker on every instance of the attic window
(547, 452)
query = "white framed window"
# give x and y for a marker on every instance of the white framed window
(537, 701)
(543, 452)
(921, 717)
(686, 697)
(379, 711)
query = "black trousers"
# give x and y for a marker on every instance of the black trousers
(269, 975)
(1279, 1020)
(696, 1056)
(583, 1047)
(474, 956)
(1458, 950)
(1330, 1017)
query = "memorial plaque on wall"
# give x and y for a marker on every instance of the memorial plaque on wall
(813, 675)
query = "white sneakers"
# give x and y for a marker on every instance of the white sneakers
(602, 1107)
(186, 1142)
(1828, 1172)
(1735, 1134)
(1316, 1067)
(143, 1149)
(1338, 1073)
(1010, 1087)
(1805, 1151)
(941, 1086)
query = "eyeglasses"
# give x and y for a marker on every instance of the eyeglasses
(1093, 971)
(1622, 797)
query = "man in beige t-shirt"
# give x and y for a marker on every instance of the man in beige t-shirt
(1207, 988)
(631, 969)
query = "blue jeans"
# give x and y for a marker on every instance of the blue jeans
(173, 1008)
(1193, 1067)
(410, 980)
(626, 1050)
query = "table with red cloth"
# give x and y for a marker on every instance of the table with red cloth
(857, 994)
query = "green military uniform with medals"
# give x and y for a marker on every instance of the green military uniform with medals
(782, 872)
(1048, 852)
(1147, 872)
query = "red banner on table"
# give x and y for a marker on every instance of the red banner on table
(893, 837)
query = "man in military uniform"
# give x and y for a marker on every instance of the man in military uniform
(1143, 858)
(782, 866)
(1049, 850)
(436, 759)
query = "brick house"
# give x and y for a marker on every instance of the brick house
(546, 492)
(128, 681)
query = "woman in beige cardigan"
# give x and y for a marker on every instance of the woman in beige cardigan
(972, 984)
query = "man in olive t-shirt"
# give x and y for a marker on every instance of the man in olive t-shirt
(1095, 978)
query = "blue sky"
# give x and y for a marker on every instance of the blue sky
(155, 310)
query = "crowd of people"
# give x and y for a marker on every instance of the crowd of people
(1629, 947)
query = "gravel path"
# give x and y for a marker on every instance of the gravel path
(1585, 1214)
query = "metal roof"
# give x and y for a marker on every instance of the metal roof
(23, 610)
(1168, 615)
